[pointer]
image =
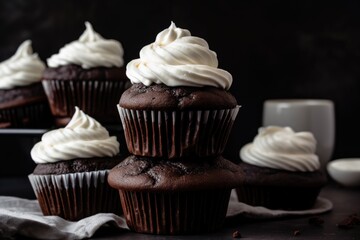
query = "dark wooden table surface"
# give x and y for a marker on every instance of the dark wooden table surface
(346, 202)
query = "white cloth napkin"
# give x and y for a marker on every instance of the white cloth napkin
(24, 217)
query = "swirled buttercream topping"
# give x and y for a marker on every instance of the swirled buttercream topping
(178, 59)
(83, 137)
(91, 50)
(282, 148)
(22, 69)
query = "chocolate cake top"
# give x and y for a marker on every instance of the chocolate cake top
(75, 72)
(141, 173)
(162, 97)
(78, 165)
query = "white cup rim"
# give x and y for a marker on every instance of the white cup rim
(299, 102)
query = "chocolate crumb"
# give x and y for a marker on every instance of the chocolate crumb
(316, 221)
(296, 233)
(236, 234)
(349, 222)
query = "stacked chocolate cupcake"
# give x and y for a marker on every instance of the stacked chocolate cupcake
(177, 117)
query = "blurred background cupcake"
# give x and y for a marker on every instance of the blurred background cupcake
(23, 103)
(281, 170)
(70, 178)
(87, 73)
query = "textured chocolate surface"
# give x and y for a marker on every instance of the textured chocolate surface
(262, 176)
(162, 97)
(75, 72)
(78, 165)
(141, 173)
(22, 95)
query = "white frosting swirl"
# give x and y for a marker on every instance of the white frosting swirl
(83, 137)
(91, 50)
(22, 69)
(178, 59)
(282, 148)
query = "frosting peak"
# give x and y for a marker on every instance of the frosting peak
(178, 59)
(89, 35)
(22, 69)
(91, 50)
(171, 34)
(282, 148)
(83, 137)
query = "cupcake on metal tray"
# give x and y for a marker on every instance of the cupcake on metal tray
(23, 102)
(87, 73)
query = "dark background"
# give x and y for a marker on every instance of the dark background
(273, 49)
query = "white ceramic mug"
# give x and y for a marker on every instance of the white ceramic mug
(313, 115)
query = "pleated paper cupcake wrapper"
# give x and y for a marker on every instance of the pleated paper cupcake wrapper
(174, 212)
(285, 198)
(97, 98)
(33, 115)
(174, 134)
(74, 196)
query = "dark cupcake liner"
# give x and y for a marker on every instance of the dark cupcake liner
(174, 134)
(175, 212)
(75, 196)
(285, 198)
(33, 115)
(97, 98)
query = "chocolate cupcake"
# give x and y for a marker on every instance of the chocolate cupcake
(87, 73)
(179, 104)
(281, 170)
(23, 102)
(70, 179)
(174, 197)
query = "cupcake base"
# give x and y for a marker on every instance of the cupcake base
(75, 196)
(279, 189)
(96, 91)
(175, 212)
(176, 134)
(34, 115)
(24, 107)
